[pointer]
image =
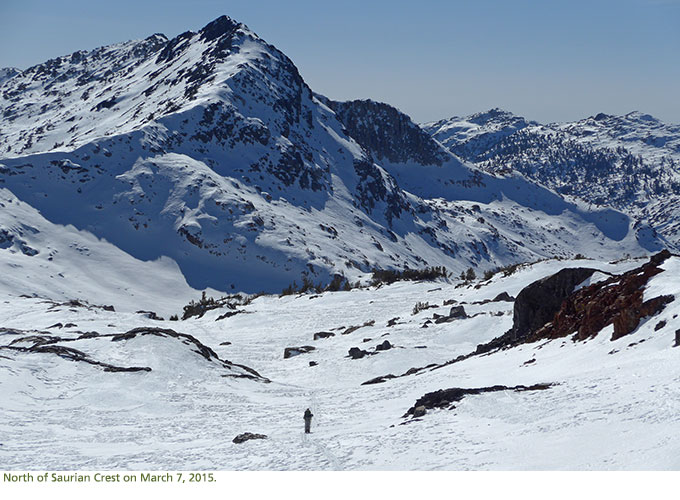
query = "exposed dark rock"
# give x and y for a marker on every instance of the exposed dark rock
(200, 348)
(373, 189)
(228, 314)
(659, 258)
(456, 312)
(323, 335)
(221, 26)
(385, 346)
(387, 133)
(88, 335)
(659, 325)
(356, 353)
(379, 380)
(537, 303)
(393, 321)
(503, 297)
(677, 338)
(289, 352)
(35, 339)
(585, 311)
(633, 310)
(443, 398)
(150, 315)
(617, 300)
(351, 329)
(313, 363)
(47, 344)
(105, 104)
(246, 436)
(419, 411)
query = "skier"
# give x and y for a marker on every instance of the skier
(308, 420)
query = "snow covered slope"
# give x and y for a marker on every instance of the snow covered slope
(41, 259)
(630, 162)
(211, 150)
(90, 388)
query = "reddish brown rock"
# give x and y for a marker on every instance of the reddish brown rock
(617, 300)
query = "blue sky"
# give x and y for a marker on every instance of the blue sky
(547, 60)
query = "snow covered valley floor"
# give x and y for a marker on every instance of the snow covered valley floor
(154, 399)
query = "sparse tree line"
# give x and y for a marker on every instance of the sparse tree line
(339, 282)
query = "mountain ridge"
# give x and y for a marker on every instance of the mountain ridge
(211, 149)
(629, 162)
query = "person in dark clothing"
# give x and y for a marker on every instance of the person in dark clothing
(308, 421)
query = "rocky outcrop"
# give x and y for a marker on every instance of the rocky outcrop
(247, 436)
(43, 342)
(549, 308)
(356, 353)
(617, 300)
(198, 347)
(456, 312)
(384, 346)
(503, 297)
(323, 335)
(444, 398)
(387, 133)
(379, 380)
(150, 315)
(352, 329)
(290, 352)
(71, 354)
(537, 303)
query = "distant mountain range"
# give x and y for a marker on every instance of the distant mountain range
(211, 150)
(629, 162)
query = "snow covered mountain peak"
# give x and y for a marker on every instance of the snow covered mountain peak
(71, 100)
(641, 117)
(463, 135)
(493, 115)
(211, 149)
(630, 162)
(7, 73)
(217, 28)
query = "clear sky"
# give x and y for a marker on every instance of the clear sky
(549, 60)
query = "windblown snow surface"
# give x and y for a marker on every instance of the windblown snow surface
(613, 404)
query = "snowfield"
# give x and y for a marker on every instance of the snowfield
(612, 405)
